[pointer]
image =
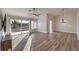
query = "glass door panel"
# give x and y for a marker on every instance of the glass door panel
(25, 26)
(15, 28)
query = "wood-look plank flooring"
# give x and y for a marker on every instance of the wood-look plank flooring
(21, 44)
(57, 41)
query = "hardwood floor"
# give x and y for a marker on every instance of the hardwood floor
(20, 46)
(56, 41)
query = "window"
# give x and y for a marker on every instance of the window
(19, 27)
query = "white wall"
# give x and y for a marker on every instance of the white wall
(77, 31)
(42, 23)
(69, 26)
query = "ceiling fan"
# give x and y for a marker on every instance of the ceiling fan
(34, 12)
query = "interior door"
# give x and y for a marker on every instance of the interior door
(50, 26)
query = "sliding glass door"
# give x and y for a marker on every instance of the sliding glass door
(22, 26)
(19, 27)
(25, 26)
(15, 28)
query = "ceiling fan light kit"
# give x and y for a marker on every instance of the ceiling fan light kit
(34, 12)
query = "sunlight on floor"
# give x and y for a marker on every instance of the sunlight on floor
(28, 45)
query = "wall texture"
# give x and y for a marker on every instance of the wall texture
(69, 25)
(77, 30)
(42, 23)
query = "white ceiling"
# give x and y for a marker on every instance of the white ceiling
(25, 11)
(56, 11)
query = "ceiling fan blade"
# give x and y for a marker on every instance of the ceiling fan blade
(37, 14)
(34, 12)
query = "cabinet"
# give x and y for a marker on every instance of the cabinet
(6, 44)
